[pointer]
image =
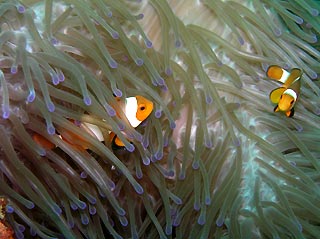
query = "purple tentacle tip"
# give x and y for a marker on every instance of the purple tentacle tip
(148, 43)
(121, 212)
(178, 43)
(21, 9)
(158, 114)
(139, 174)
(139, 62)
(241, 40)
(115, 35)
(51, 107)
(314, 12)
(139, 189)
(130, 148)
(195, 165)
(61, 76)
(82, 205)
(111, 112)
(87, 100)
(113, 64)
(14, 69)
(168, 71)
(84, 219)
(196, 206)
(92, 210)
(201, 219)
(55, 79)
(6, 112)
(208, 144)
(117, 93)
(30, 205)
(209, 99)
(31, 96)
(298, 20)
(220, 222)
(146, 161)
(51, 130)
(169, 230)
(208, 200)
(140, 16)
(83, 174)
(9, 209)
(124, 221)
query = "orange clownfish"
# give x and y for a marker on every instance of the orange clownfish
(285, 96)
(73, 139)
(136, 109)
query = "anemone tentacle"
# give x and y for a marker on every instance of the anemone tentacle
(211, 161)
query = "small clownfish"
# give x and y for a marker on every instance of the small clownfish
(287, 95)
(73, 139)
(136, 109)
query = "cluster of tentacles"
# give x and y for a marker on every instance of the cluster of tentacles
(212, 161)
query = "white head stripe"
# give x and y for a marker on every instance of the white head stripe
(291, 93)
(131, 111)
(285, 75)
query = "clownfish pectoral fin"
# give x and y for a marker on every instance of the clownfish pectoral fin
(277, 73)
(276, 109)
(116, 143)
(290, 113)
(276, 94)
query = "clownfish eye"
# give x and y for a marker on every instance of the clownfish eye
(142, 107)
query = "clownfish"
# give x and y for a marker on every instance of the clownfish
(287, 95)
(136, 109)
(73, 139)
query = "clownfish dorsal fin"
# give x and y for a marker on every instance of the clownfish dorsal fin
(276, 94)
(294, 76)
(277, 73)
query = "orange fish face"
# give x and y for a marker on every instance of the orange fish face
(286, 102)
(144, 109)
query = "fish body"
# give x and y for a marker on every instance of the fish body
(71, 138)
(136, 110)
(287, 95)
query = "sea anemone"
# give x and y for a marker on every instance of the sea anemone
(212, 161)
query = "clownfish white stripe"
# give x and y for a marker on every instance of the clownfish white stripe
(284, 77)
(131, 108)
(292, 93)
(95, 130)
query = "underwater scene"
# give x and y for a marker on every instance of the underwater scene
(159, 119)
